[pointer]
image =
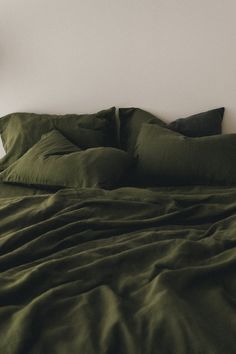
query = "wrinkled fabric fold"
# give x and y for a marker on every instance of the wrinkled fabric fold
(123, 271)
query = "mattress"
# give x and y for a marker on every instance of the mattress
(130, 270)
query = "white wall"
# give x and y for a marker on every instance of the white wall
(172, 57)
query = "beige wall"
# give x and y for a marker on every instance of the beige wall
(172, 57)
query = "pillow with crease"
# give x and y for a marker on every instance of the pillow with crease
(20, 131)
(56, 162)
(167, 157)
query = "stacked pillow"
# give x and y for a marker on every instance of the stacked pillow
(62, 150)
(201, 124)
(187, 151)
(56, 162)
(83, 150)
(20, 131)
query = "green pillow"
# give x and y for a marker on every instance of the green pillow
(20, 131)
(56, 162)
(201, 124)
(167, 157)
(131, 120)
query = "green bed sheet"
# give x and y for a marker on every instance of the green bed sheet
(134, 271)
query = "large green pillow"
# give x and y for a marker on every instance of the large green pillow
(20, 131)
(56, 162)
(197, 125)
(167, 157)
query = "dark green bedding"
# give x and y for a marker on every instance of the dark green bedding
(10, 190)
(124, 271)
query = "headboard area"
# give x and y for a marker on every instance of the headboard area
(172, 58)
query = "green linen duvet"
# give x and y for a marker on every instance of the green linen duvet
(128, 271)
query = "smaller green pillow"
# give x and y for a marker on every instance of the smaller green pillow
(201, 124)
(56, 162)
(167, 157)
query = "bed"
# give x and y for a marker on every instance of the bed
(131, 269)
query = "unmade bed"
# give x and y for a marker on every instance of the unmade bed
(124, 270)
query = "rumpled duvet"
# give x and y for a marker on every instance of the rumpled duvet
(128, 271)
